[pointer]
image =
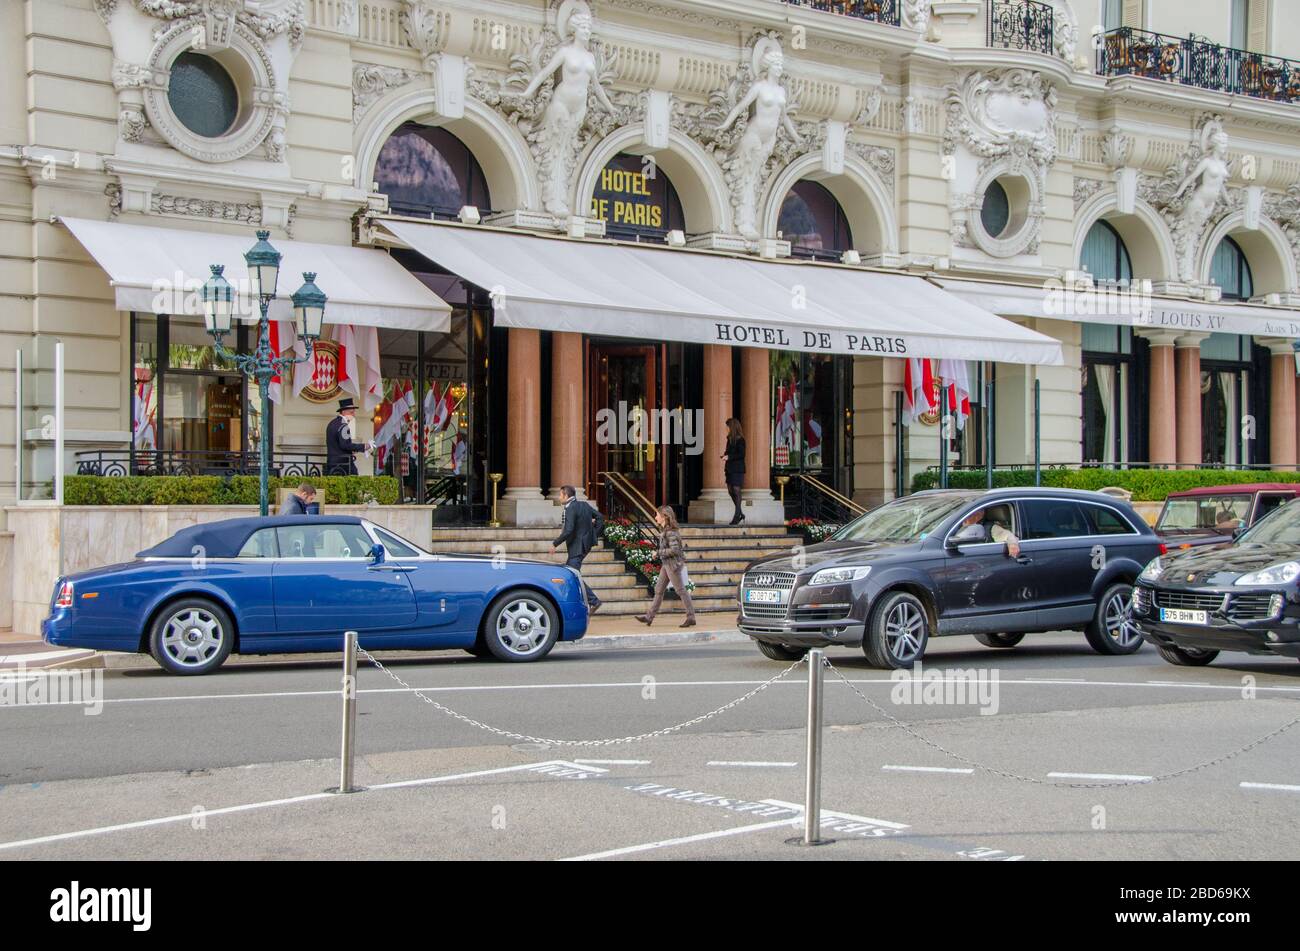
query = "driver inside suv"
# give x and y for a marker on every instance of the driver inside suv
(996, 522)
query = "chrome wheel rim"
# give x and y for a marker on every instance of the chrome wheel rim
(1118, 619)
(523, 626)
(904, 628)
(192, 637)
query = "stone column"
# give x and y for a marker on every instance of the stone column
(714, 506)
(522, 503)
(1187, 407)
(1162, 446)
(1281, 402)
(760, 507)
(567, 432)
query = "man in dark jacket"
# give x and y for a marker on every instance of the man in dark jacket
(339, 447)
(296, 502)
(579, 533)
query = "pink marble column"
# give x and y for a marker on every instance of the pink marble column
(1281, 403)
(1162, 445)
(566, 414)
(1187, 409)
(714, 505)
(522, 503)
(756, 417)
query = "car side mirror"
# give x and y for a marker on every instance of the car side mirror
(969, 535)
(376, 553)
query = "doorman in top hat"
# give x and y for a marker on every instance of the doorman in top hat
(339, 447)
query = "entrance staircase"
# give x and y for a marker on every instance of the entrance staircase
(716, 556)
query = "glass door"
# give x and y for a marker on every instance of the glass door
(624, 416)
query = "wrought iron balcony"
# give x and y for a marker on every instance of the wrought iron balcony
(1195, 61)
(182, 462)
(1021, 25)
(878, 11)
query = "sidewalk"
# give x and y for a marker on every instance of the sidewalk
(610, 633)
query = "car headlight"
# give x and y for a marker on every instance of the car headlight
(1152, 571)
(839, 575)
(1273, 574)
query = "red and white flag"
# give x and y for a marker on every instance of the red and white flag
(394, 414)
(956, 377)
(918, 388)
(283, 337)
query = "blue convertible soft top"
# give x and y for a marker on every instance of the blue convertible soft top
(226, 538)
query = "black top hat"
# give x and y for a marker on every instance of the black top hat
(346, 403)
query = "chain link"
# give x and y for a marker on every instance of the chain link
(523, 737)
(1005, 774)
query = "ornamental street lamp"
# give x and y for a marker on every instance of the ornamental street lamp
(262, 364)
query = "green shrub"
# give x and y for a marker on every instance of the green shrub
(219, 490)
(1147, 485)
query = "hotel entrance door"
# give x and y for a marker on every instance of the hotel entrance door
(625, 396)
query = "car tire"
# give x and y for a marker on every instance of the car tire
(999, 640)
(520, 626)
(897, 632)
(781, 651)
(192, 636)
(1111, 630)
(478, 650)
(1187, 657)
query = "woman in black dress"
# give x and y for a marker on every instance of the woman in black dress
(734, 465)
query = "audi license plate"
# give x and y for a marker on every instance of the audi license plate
(1179, 616)
(764, 597)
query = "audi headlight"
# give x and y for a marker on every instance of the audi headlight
(839, 575)
(1273, 574)
(1152, 571)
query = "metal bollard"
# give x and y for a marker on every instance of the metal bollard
(812, 814)
(349, 713)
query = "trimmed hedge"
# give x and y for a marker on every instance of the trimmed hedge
(1147, 485)
(220, 490)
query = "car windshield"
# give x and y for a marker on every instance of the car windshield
(1204, 513)
(397, 545)
(1280, 527)
(903, 520)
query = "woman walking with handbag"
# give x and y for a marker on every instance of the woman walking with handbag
(734, 466)
(672, 567)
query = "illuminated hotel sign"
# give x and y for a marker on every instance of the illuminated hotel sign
(630, 196)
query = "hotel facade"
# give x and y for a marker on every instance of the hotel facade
(562, 239)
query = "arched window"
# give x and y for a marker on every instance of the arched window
(636, 200)
(1231, 271)
(814, 223)
(1104, 255)
(425, 170)
(995, 212)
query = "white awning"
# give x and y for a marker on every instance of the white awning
(1122, 308)
(160, 270)
(661, 293)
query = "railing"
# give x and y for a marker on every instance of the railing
(1021, 25)
(878, 11)
(182, 462)
(806, 496)
(1195, 61)
(625, 500)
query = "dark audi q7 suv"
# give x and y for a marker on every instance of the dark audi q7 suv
(997, 564)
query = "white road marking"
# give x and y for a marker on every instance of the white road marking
(476, 688)
(722, 762)
(557, 768)
(1279, 786)
(884, 823)
(928, 769)
(613, 762)
(683, 840)
(1115, 777)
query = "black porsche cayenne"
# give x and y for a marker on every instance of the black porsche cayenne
(1244, 596)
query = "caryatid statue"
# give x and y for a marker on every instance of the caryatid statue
(557, 133)
(1207, 181)
(770, 113)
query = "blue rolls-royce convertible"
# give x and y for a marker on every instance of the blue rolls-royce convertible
(295, 583)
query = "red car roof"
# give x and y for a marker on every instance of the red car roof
(1244, 488)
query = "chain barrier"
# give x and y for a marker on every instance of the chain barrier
(1005, 774)
(523, 737)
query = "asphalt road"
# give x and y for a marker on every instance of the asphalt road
(925, 773)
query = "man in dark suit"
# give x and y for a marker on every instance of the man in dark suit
(579, 533)
(339, 447)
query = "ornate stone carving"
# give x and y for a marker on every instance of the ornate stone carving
(426, 27)
(881, 160)
(871, 108)
(555, 117)
(131, 123)
(1116, 147)
(1193, 191)
(915, 14)
(1085, 188)
(1065, 37)
(759, 84)
(114, 193)
(130, 75)
(181, 206)
(1284, 209)
(105, 9)
(369, 82)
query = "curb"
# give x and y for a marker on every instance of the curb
(113, 660)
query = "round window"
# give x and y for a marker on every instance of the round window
(202, 95)
(996, 211)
